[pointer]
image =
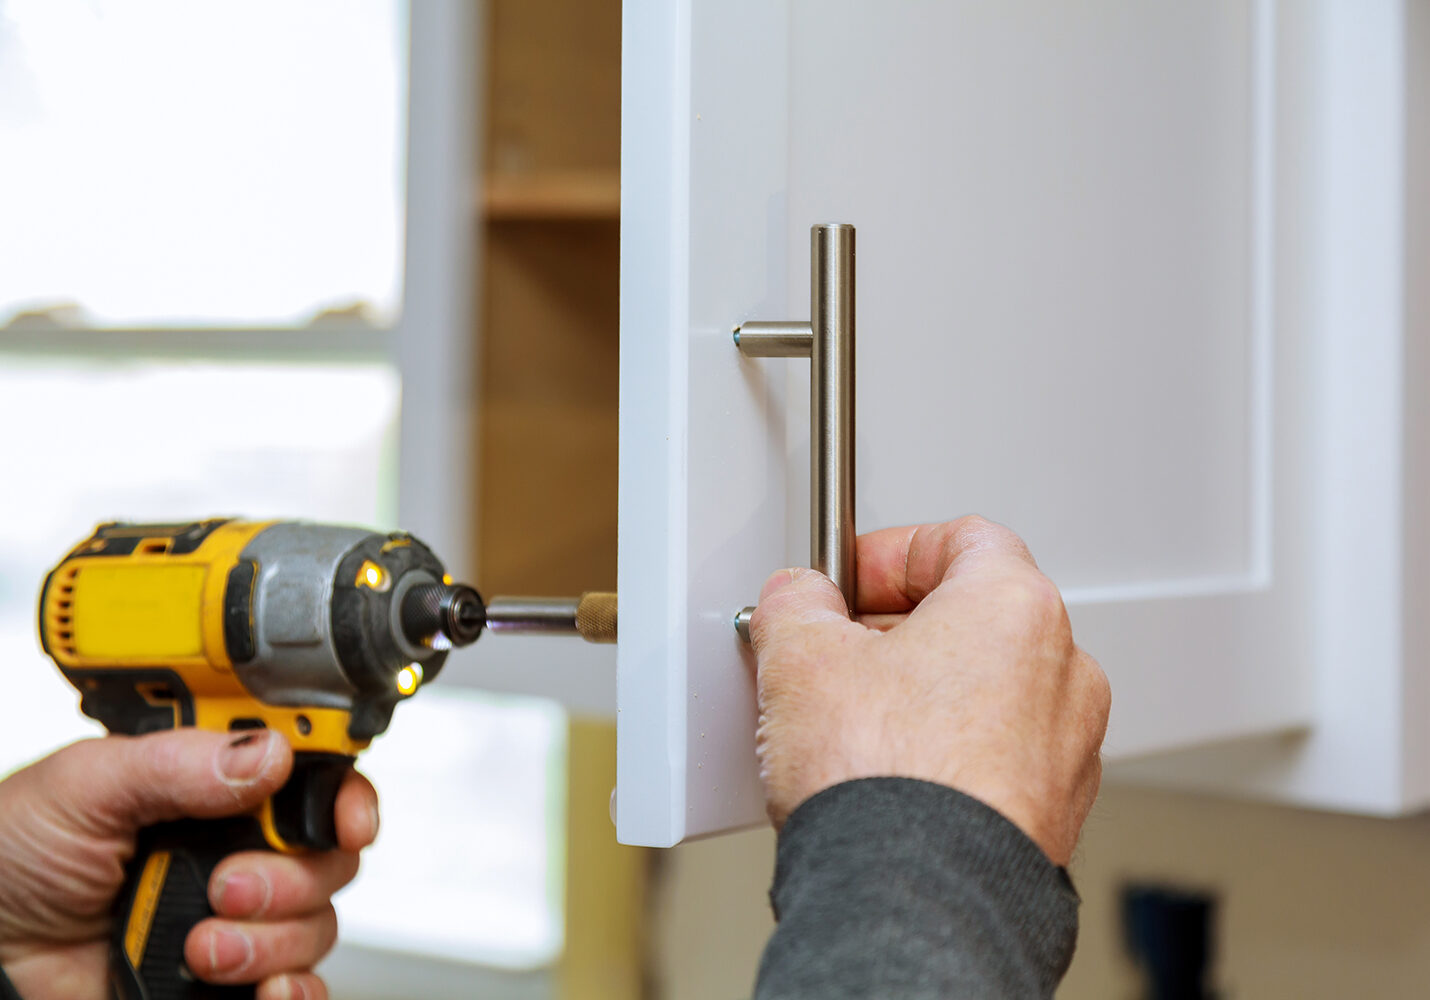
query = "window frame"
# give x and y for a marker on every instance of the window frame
(430, 345)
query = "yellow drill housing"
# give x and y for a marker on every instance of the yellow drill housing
(234, 625)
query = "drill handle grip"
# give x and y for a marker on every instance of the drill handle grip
(165, 894)
(166, 883)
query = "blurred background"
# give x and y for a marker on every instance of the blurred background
(351, 261)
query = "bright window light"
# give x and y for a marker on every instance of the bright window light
(171, 163)
(86, 442)
(468, 866)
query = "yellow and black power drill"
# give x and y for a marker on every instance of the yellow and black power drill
(314, 630)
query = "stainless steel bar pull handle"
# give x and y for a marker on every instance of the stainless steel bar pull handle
(828, 341)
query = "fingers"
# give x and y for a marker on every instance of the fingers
(274, 913)
(794, 601)
(226, 951)
(881, 569)
(899, 567)
(357, 815)
(880, 622)
(255, 885)
(293, 986)
(127, 782)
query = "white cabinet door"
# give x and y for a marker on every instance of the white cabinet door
(1084, 295)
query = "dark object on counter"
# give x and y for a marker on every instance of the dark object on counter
(1170, 935)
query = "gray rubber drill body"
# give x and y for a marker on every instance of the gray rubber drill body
(296, 662)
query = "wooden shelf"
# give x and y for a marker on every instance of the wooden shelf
(552, 195)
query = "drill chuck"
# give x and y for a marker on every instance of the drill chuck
(440, 615)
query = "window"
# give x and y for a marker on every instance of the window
(203, 224)
(466, 779)
(171, 163)
(87, 440)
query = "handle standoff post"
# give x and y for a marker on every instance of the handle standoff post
(742, 623)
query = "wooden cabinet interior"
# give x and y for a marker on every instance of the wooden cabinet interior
(549, 321)
(548, 432)
(548, 390)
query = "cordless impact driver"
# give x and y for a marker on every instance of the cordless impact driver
(313, 630)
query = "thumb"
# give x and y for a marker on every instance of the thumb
(792, 601)
(129, 782)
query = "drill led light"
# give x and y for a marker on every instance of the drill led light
(373, 576)
(408, 678)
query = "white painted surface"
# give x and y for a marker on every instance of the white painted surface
(1128, 282)
(1415, 703)
(1066, 309)
(433, 344)
(1366, 751)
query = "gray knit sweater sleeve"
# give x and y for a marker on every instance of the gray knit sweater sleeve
(906, 890)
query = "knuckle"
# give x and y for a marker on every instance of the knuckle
(976, 531)
(327, 930)
(1099, 688)
(1091, 784)
(155, 770)
(803, 582)
(973, 525)
(306, 987)
(787, 611)
(73, 763)
(346, 865)
(293, 890)
(299, 945)
(328, 922)
(337, 870)
(1038, 597)
(962, 535)
(163, 760)
(776, 581)
(769, 606)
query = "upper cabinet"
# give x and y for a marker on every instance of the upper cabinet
(1129, 279)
